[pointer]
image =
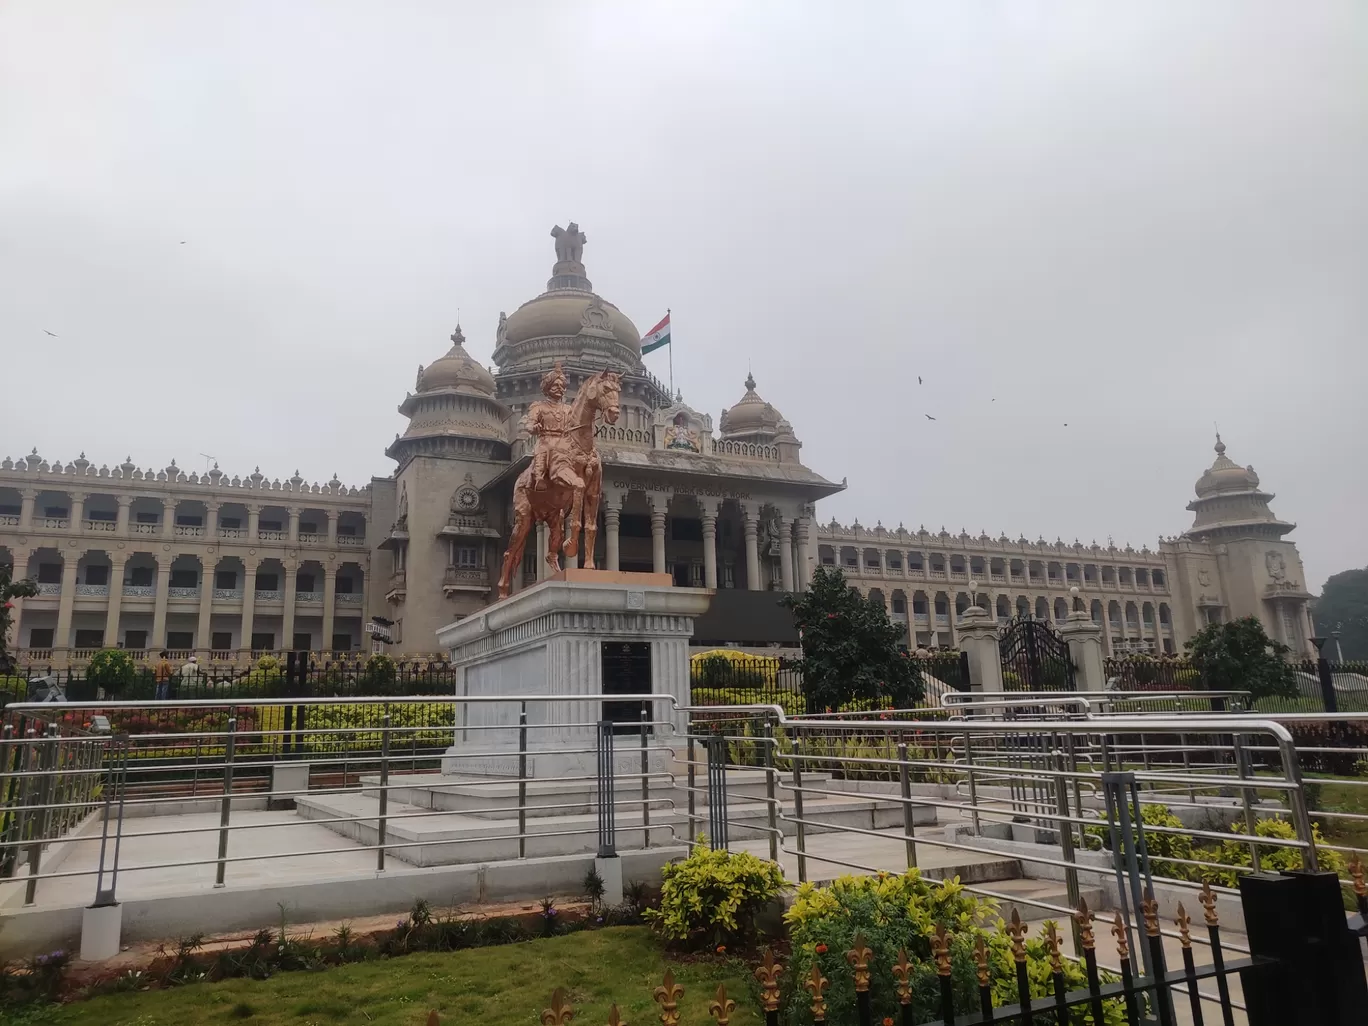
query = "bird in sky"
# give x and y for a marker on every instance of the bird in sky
(928, 416)
(182, 242)
(919, 379)
(1066, 423)
(52, 333)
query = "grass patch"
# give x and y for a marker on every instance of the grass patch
(505, 984)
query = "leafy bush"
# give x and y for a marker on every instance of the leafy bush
(1161, 847)
(379, 675)
(1271, 860)
(725, 667)
(790, 701)
(901, 913)
(332, 727)
(112, 669)
(712, 897)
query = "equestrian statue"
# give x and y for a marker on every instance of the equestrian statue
(563, 485)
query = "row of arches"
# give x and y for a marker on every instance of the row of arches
(1132, 616)
(1000, 569)
(188, 517)
(187, 574)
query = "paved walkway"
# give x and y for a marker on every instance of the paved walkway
(195, 840)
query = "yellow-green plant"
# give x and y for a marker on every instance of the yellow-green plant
(712, 896)
(894, 913)
(1271, 860)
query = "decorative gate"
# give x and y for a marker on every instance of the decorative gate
(1034, 656)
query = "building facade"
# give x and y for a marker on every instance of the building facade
(229, 568)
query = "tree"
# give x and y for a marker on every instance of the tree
(850, 648)
(1343, 607)
(10, 590)
(1240, 656)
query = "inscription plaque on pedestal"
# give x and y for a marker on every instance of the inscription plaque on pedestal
(626, 671)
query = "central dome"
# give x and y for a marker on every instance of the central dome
(567, 313)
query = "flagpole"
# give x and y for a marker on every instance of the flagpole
(671, 348)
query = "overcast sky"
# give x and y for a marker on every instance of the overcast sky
(248, 223)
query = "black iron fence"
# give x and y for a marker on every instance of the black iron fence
(1304, 966)
(738, 679)
(1320, 685)
(298, 675)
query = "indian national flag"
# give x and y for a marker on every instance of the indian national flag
(657, 336)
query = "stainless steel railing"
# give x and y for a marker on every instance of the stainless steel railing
(229, 752)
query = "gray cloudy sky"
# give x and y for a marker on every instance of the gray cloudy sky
(1137, 218)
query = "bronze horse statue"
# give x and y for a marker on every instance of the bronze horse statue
(574, 485)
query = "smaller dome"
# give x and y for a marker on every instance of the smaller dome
(1225, 476)
(752, 415)
(456, 370)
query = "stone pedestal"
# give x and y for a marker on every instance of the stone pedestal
(551, 640)
(1085, 649)
(978, 638)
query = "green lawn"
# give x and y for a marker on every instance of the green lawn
(491, 986)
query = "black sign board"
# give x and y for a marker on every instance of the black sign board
(626, 671)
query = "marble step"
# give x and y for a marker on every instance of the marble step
(496, 798)
(425, 837)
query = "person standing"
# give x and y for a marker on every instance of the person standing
(161, 673)
(189, 677)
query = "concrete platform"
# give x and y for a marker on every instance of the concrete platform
(443, 820)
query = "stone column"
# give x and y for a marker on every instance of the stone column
(211, 520)
(709, 549)
(121, 521)
(253, 521)
(159, 606)
(332, 528)
(329, 604)
(751, 529)
(658, 534)
(61, 642)
(206, 603)
(786, 553)
(1085, 649)
(543, 571)
(950, 618)
(168, 518)
(294, 524)
(77, 511)
(804, 575)
(978, 637)
(29, 497)
(288, 621)
(612, 516)
(116, 578)
(249, 608)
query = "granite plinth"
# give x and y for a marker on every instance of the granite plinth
(539, 649)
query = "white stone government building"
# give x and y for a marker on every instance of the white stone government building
(228, 567)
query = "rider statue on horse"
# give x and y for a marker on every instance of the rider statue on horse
(563, 486)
